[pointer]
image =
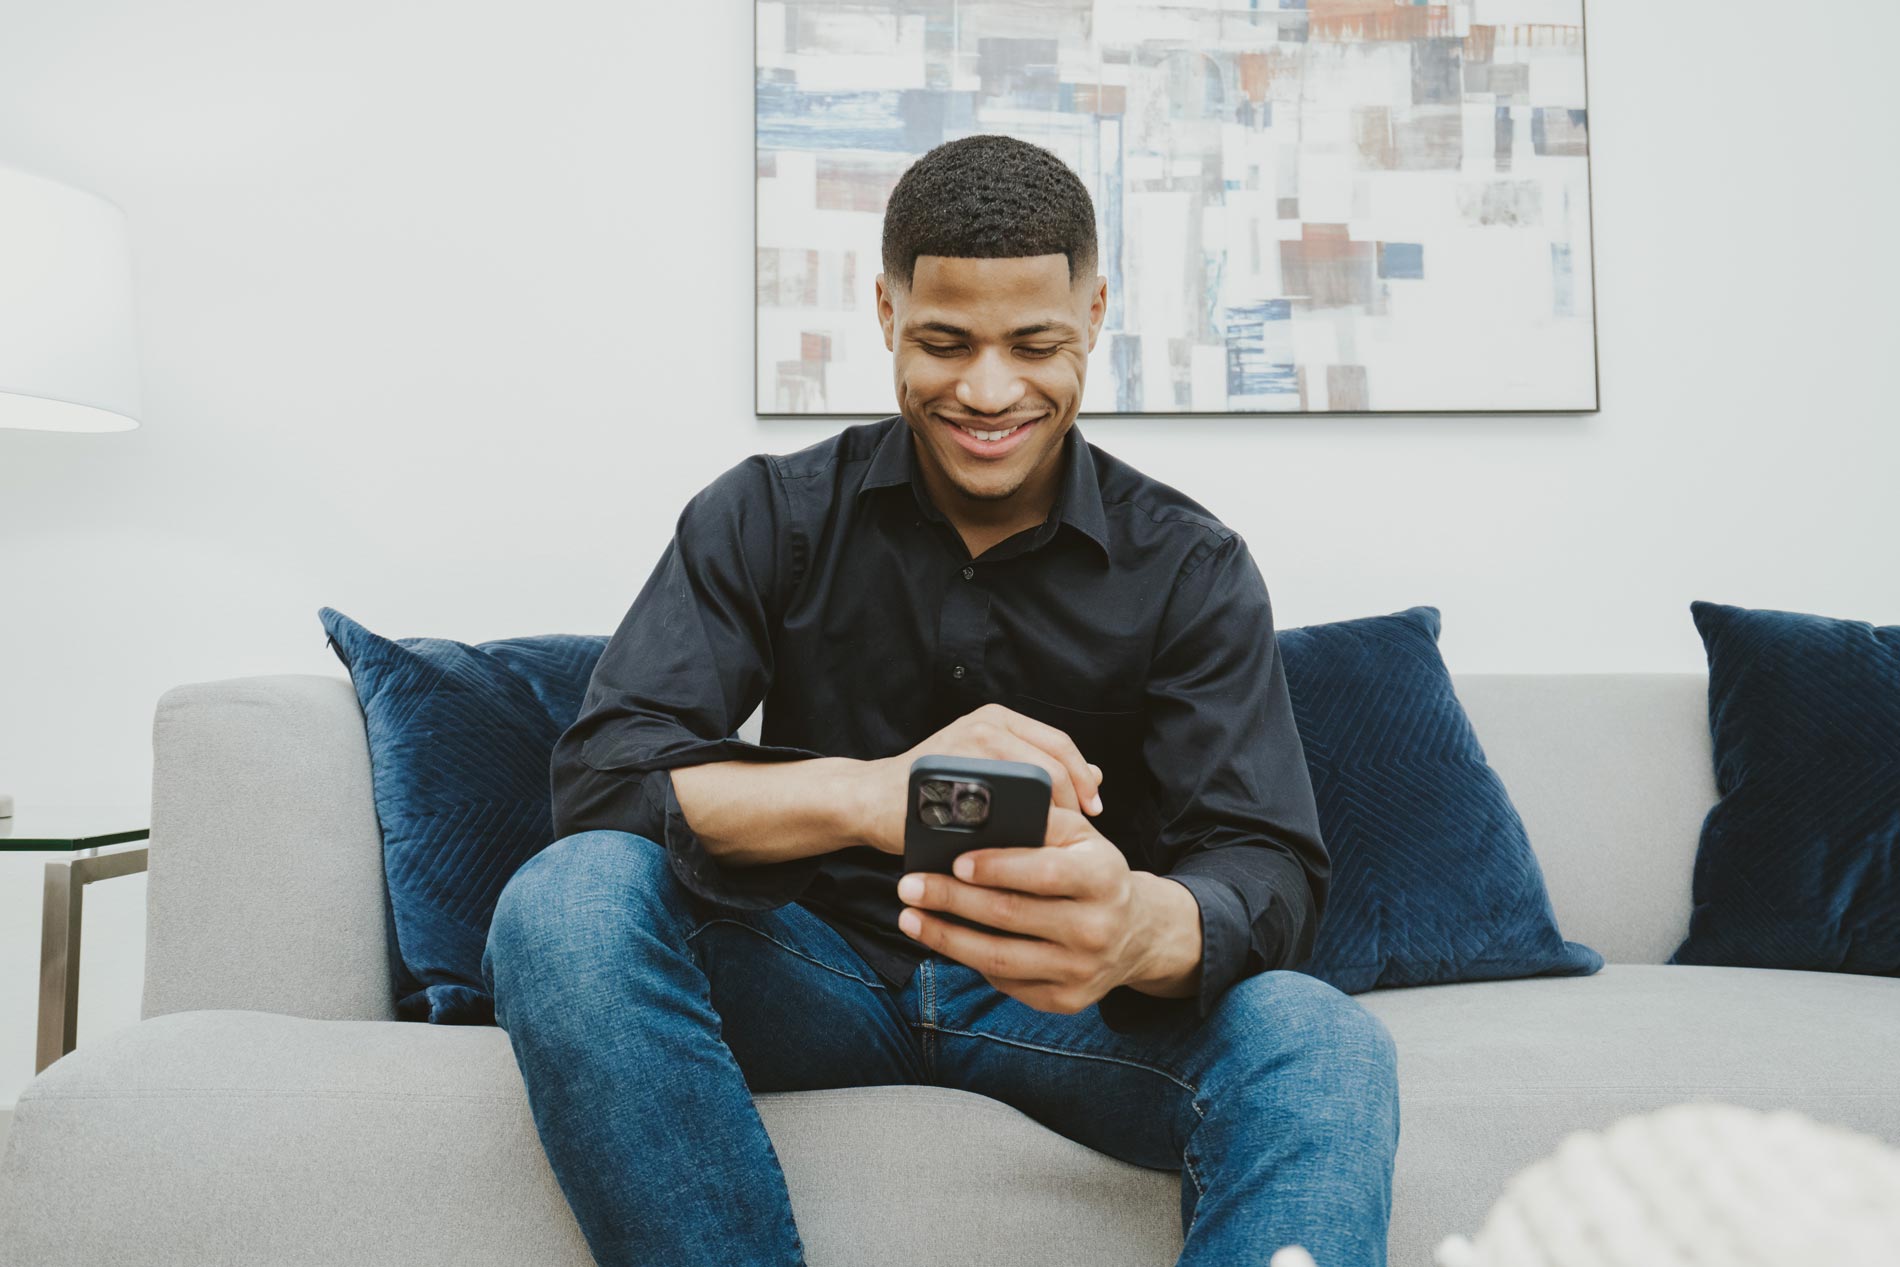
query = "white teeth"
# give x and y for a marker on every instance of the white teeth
(991, 435)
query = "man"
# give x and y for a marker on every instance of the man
(968, 577)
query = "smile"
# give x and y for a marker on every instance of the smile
(991, 443)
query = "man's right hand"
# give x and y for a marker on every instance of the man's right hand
(991, 731)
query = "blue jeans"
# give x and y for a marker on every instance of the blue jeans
(643, 1020)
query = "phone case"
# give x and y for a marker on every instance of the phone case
(1018, 810)
(1017, 815)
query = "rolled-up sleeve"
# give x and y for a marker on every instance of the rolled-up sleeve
(689, 663)
(1240, 827)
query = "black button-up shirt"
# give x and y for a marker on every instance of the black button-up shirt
(827, 584)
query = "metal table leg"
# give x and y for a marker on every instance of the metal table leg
(59, 944)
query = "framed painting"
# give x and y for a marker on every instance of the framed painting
(1302, 206)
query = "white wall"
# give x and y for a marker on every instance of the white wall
(446, 308)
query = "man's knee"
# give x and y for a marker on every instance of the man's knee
(562, 893)
(1288, 1015)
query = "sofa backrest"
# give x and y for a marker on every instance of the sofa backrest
(266, 883)
(1613, 774)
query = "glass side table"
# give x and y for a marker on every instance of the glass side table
(79, 831)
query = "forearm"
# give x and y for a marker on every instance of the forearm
(751, 812)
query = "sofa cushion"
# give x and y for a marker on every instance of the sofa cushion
(1798, 859)
(1433, 876)
(233, 1136)
(1493, 1075)
(245, 1136)
(459, 740)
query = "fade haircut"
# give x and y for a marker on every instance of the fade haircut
(988, 197)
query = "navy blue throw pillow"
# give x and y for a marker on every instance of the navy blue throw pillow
(1433, 876)
(1798, 865)
(459, 741)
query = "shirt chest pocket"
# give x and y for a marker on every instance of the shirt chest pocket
(1112, 740)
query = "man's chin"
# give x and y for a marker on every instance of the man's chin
(993, 494)
(987, 484)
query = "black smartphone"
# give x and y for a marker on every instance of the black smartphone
(963, 803)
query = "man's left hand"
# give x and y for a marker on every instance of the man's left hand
(1091, 923)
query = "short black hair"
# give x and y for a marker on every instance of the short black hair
(988, 197)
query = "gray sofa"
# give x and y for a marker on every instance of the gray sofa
(267, 1109)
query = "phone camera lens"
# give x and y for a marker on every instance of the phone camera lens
(946, 803)
(973, 805)
(933, 802)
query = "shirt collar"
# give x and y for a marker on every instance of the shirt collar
(1078, 493)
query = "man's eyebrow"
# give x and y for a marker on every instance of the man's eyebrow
(1041, 327)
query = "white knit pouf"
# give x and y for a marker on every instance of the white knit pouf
(1697, 1185)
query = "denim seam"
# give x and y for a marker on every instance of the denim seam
(930, 1020)
(1187, 1160)
(849, 976)
(1179, 1081)
(1194, 1176)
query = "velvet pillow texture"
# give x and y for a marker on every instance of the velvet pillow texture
(1798, 865)
(1433, 879)
(459, 742)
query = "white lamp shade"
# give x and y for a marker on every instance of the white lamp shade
(68, 346)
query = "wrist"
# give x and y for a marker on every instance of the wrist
(1169, 963)
(859, 784)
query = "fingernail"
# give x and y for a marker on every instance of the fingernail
(910, 888)
(964, 868)
(1096, 803)
(910, 922)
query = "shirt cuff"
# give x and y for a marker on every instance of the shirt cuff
(1224, 941)
(757, 887)
(1226, 935)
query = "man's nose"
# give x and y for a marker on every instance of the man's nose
(991, 386)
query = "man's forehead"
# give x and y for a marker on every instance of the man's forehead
(958, 279)
(1012, 296)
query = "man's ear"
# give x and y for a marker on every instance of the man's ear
(1098, 308)
(886, 312)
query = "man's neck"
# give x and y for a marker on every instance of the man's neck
(984, 523)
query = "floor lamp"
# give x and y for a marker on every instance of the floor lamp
(68, 345)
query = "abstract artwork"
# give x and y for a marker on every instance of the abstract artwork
(1302, 206)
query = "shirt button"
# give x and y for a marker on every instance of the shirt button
(957, 672)
(968, 573)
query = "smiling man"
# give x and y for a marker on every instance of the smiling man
(970, 577)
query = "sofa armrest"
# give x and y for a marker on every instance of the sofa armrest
(266, 886)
